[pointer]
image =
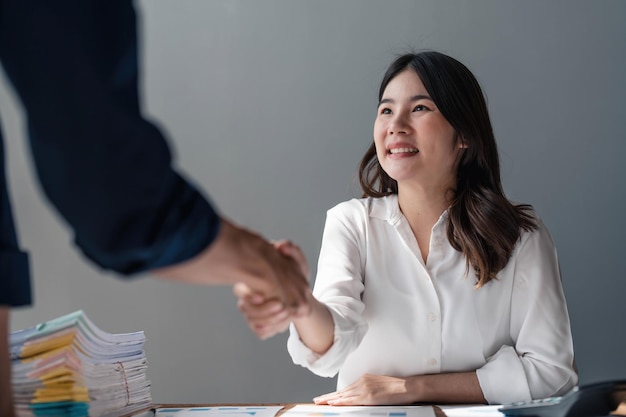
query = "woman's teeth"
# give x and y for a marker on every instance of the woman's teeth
(403, 150)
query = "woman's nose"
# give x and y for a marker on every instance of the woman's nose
(398, 125)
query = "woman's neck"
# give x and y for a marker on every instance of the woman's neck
(422, 208)
(423, 203)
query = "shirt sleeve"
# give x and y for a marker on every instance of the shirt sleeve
(541, 362)
(339, 285)
(14, 267)
(105, 168)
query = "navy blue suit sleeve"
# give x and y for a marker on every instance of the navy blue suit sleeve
(103, 166)
(14, 268)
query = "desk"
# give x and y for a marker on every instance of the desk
(285, 408)
(620, 411)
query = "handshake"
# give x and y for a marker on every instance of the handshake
(270, 280)
(268, 315)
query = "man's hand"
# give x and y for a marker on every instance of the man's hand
(238, 255)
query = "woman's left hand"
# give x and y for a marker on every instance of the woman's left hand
(370, 390)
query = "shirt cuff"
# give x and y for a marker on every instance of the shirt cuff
(347, 337)
(14, 279)
(503, 379)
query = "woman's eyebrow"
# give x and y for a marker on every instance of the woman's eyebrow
(412, 99)
(420, 97)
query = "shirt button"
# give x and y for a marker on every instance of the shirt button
(432, 361)
(431, 316)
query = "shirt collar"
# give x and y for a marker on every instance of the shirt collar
(387, 208)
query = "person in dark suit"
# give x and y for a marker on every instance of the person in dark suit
(108, 171)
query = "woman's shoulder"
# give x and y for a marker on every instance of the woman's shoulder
(527, 210)
(538, 229)
(367, 206)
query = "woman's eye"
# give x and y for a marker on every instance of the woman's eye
(385, 111)
(420, 107)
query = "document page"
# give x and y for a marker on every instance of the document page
(246, 411)
(471, 410)
(304, 410)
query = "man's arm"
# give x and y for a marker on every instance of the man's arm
(105, 168)
(240, 256)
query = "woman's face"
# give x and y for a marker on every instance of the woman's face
(414, 142)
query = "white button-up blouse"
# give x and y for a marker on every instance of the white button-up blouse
(395, 315)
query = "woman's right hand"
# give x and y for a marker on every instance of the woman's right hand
(265, 317)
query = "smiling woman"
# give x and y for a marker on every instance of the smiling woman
(433, 287)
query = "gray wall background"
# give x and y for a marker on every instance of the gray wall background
(269, 106)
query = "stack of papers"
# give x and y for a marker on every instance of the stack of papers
(69, 367)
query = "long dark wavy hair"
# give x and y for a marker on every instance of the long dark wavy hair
(482, 222)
